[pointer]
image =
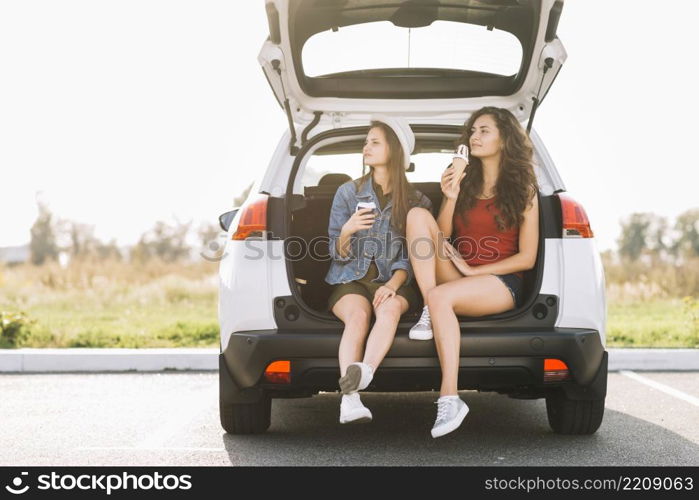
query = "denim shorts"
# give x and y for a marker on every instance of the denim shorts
(513, 284)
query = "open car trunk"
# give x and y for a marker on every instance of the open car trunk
(309, 223)
(501, 53)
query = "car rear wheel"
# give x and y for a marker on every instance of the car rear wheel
(571, 416)
(246, 418)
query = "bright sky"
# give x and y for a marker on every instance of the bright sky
(120, 113)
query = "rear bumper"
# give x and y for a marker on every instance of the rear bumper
(499, 359)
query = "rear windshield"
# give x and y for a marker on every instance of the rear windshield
(442, 45)
(429, 161)
(429, 167)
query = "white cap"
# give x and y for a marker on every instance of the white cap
(403, 131)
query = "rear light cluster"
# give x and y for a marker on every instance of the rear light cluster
(253, 219)
(575, 221)
(278, 372)
(555, 370)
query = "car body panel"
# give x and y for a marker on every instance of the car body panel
(583, 297)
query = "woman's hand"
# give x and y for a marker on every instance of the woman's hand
(457, 259)
(383, 293)
(451, 187)
(361, 219)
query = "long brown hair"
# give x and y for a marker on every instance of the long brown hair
(401, 190)
(516, 184)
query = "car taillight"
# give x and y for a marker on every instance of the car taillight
(278, 372)
(555, 370)
(253, 219)
(575, 221)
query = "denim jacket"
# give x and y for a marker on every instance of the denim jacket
(380, 241)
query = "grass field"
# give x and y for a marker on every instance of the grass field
(174, 305)
(137, 318)
(654, 323)
(169, 306)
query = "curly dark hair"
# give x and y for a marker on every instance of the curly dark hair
(516, 184)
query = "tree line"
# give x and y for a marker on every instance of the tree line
(645, 235)
(166, 241)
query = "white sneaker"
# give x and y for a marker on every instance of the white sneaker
(357, 378)
(352, 410)
(423, 328)
(450, 413)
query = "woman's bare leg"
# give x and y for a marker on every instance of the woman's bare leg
(422, 234)
(355, 312)
(381, 336)
(470, 296)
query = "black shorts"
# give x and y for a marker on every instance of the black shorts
(367, 288)
(513, 284)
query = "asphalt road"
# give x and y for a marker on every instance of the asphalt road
(172, 419)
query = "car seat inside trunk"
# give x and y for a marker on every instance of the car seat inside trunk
(309, 224)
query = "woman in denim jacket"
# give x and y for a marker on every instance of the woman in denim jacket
(370, 267)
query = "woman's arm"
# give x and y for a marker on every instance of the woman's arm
(343, 244)
(403, 261)
(450, 190)
(446, 215)
(528, 245)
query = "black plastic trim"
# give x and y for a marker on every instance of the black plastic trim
(291, 313)
(554, 17)
(273, 22)
(314, 122)
(229, 391)
(597, 389)
(520, 351)
(225, 219)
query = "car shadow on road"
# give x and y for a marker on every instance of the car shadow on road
(497, 431)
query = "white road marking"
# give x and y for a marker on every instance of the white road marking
(661, 387)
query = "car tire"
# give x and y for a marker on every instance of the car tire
(246, 418)
(571, 416)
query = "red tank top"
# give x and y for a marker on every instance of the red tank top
(480, 242)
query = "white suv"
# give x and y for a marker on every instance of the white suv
(278, 338)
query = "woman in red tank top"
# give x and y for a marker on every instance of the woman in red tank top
(491, 213)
